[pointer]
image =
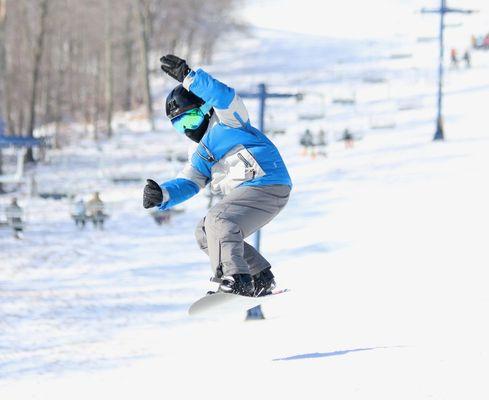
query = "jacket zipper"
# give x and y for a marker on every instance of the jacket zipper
(210, 157)
(246, 163)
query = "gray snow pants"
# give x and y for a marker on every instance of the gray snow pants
(222, 231)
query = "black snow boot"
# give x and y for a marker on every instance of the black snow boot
(241, 284)
(264, 282)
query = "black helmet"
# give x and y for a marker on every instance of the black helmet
(181, 100)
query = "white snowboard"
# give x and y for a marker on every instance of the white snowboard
(221, 303)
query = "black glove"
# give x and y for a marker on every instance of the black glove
(153, 195)
(175, 67)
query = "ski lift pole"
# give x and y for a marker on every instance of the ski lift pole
(262, 95)
(256, 313)
(439, 134)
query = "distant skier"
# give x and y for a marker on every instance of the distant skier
(348, 138)
(79, 213)
(467, 59)
(238, 161)
(95, 210)
(485, 42)
(161, 217)
(454, 57)
(474, 42)
(307, 142)
(322, 143)
(14, 218)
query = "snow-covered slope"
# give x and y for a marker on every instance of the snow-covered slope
(383, 246)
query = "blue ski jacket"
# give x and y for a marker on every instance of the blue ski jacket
(232, 153)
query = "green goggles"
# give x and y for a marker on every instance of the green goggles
(189, 120)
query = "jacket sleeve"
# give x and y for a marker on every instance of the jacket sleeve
(228, 106)
(186, 185)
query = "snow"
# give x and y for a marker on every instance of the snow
(383, 246)
(375, 18)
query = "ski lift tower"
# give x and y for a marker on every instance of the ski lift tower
(319, 112)
(439, 134)
(20, 144)
(262, 95)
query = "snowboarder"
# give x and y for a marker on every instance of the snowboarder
(238, 161)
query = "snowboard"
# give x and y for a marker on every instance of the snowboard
(222, 303)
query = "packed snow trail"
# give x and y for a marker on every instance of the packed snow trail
(383, 246)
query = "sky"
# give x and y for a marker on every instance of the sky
(360, 19)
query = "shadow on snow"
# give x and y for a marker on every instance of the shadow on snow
(324, 355)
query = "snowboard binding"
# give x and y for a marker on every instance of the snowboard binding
(241, 284)
(264, 283)
(261, 284)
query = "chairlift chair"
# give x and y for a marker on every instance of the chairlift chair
(18, 176)
(313, 106)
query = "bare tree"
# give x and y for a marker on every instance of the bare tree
(38, 51)
(128, 57)
(3, 74)
(70, 61)
(144, 27)
(3, 57)
(109, 71)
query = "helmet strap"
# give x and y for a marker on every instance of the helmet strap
(206, 108)
(197, 134)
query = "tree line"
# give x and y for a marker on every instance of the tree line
(64, 61)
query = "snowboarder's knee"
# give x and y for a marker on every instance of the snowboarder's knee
(220, 226)
(200, 234)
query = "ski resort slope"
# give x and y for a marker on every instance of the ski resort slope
(383, 246)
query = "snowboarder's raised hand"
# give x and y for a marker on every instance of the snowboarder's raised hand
(153, 195)
(175, 67)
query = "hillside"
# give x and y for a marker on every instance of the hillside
(381, 244)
